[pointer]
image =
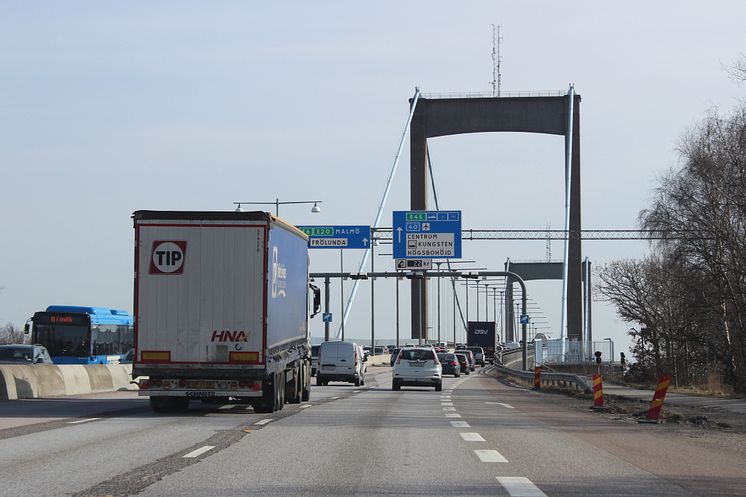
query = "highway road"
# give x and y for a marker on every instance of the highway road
(478, 437)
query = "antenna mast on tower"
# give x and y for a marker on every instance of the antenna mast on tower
(497, 59)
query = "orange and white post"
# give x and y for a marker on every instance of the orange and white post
(660, 394)
(598, 391)
(537, 378)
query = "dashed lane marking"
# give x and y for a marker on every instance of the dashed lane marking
(471, 437)
(227, 406)
(449, 409)
(490, 456)
(263, 422)
(83, 421)
(335, 398)
(460, 424)
(518, 486)
(200, 451)
(453, 415)
(306, 406)
(506, 406)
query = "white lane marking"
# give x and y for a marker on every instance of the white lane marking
(518, 486)
(227, 406)
(453, 415)
(506, 406)
(472, 437)
(460, 424)
(356, 391)
(449, 409)
(263, 422)
(306, 406)
(490, 456)
(82, 421)
(335, 398)
(200, 451)
(446, 403)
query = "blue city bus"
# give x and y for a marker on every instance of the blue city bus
(83, 335)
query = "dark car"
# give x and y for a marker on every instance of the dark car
(24, 354)
(450, 364)
(394, 355)
(463, 360)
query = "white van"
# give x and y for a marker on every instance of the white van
(340, 361)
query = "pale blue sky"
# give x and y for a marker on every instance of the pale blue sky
(110, 107)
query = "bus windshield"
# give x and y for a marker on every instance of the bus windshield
(64, 340)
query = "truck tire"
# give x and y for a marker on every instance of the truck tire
(281, 387)
(395, 385)
(357, 382)
(268, 401)
(297, 385)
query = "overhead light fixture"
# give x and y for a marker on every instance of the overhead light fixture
(315, 209)
(238, 209)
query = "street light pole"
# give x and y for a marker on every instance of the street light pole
(372, 299)
(276, 203)
(438, 264)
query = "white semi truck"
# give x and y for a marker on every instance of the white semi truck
(221, 309)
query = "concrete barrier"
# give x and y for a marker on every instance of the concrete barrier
(46, 380)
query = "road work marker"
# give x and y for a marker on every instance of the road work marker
(537, 378)
(657, 404)
(460, 424)
(263, 422)
(472, 437)
(490, 456)
(598, 391)
(82, 421)
(517, 486)
(200, 451)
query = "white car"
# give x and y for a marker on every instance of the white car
(417, 366)
(340, 361)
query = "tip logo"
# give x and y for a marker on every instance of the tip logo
(168, 257)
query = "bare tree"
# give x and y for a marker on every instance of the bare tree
(11, 334)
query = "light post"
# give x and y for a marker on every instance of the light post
(438, 263)
(315, 209)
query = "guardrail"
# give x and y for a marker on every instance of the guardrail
(562, 379)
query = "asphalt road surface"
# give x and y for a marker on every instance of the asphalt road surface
(478, 437)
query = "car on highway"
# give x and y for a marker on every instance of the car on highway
(450, 363)
(314, 359)
(472, 361)
(341, 361)
(24, 354)
(417, 366)
(394, 355)
(463, 361)
(478, 355)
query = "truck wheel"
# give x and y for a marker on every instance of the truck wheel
(268, 401)
(297, 386)
(281, 387)
(357, 382)
(305, 395)
(395, 385)
(439, 386)
(319, 381)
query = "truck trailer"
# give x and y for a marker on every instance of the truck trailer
(482, 334)
(221, 308)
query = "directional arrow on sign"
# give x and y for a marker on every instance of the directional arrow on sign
(398, 232)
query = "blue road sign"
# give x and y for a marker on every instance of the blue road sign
(337, 237)
(327, 317)
(427, 234)
(524, 319)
